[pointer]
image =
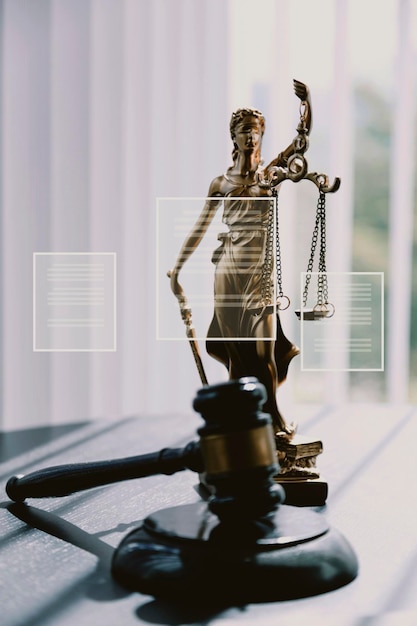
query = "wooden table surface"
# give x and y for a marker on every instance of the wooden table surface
(56, 570)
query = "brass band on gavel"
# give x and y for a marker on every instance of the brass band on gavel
(236, 451)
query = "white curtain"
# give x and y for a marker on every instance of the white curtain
(106, 105)
(402, 203)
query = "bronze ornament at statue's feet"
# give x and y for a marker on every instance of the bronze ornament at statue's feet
(298, 474)
(286, 434)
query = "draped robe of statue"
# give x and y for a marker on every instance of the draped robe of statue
(239, 325)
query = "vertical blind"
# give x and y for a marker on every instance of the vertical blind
(106, 105)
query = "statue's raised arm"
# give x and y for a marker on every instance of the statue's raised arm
(303, 93)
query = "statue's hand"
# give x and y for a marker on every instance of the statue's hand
(176, 288)
(301, 90)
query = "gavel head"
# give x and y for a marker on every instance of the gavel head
(238, 448)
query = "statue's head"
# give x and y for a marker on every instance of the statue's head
(246, 117)
(240, 116)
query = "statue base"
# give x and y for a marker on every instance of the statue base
(298, 473)
(305, 491)
(185, 555)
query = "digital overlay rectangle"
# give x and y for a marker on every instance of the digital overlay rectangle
(74, 302)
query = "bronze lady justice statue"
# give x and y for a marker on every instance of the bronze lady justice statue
(241, 331)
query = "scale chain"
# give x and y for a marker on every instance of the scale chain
(267, 264)
(320, 225)
(277, 249)
(322, 296)
(267, 267)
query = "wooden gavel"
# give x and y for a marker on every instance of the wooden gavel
(236, 438)
(63, 480)
(271, 552)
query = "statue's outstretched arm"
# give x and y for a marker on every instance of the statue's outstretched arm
(302, 92)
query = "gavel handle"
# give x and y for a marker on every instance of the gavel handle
(62, 480)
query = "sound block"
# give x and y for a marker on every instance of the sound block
(304, 492)
(185, 555)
